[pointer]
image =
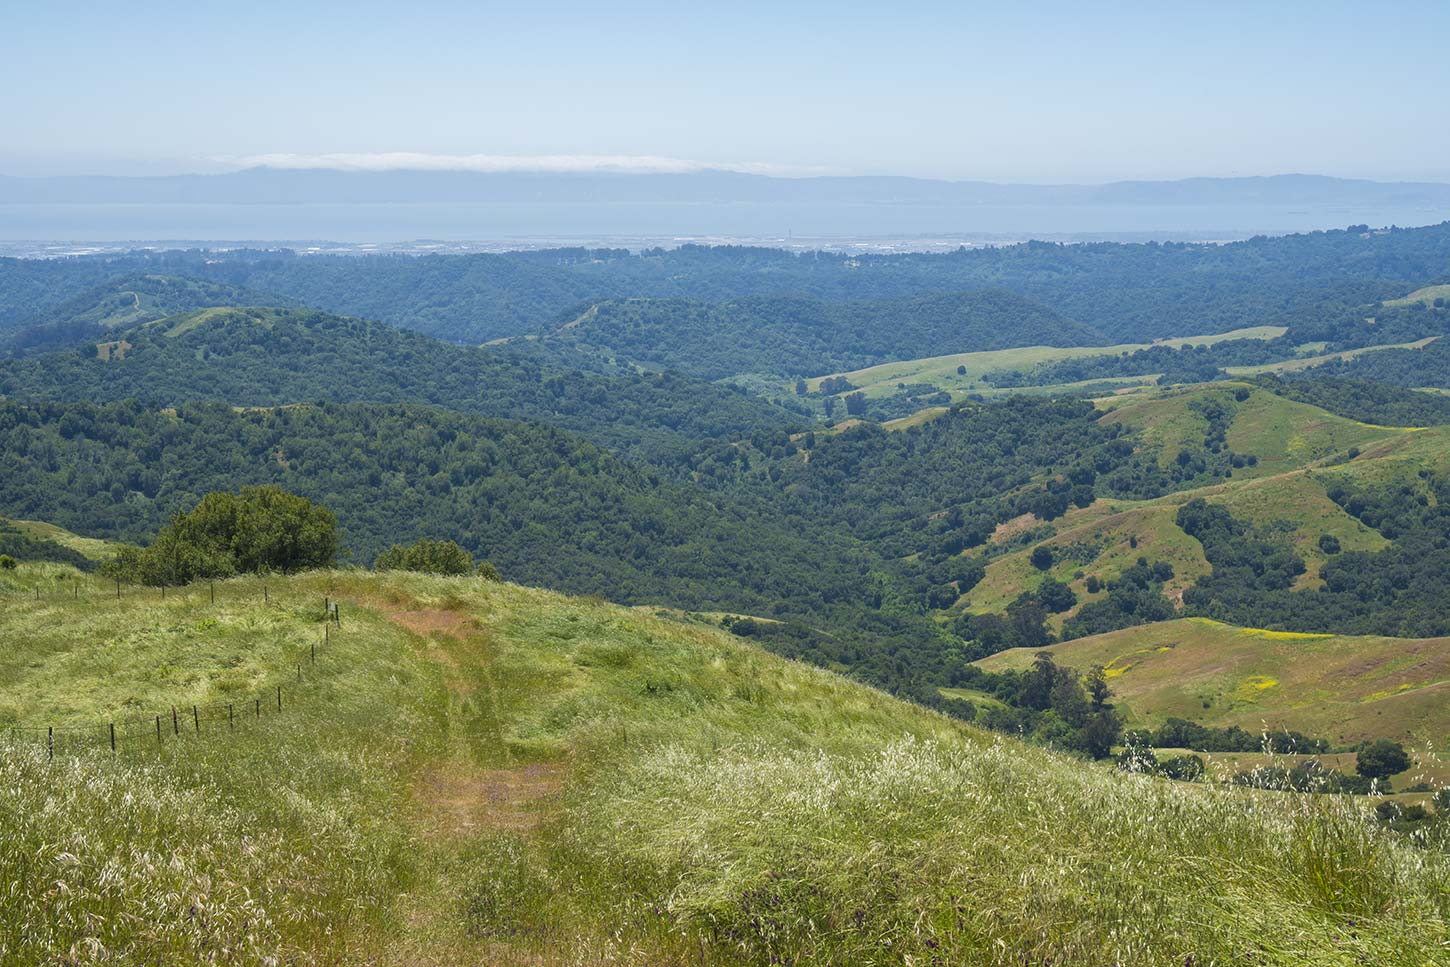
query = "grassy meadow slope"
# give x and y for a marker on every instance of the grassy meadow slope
(1345, 688)
(941, 371)
(1300, 451)
(484, 773)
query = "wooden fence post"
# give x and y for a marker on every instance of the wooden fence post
(118, 589)
(175, 728)
(259, 706)
(231, 721)
(113, 738)
(213, 592)
(158, 733)
(279, 698)
(50, 741)
(196, 720)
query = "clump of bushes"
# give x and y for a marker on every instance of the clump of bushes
(256, 531)
(433, 557)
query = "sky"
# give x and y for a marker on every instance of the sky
(1032, 92)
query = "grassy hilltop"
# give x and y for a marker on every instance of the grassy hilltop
(1299, 451)
(484, 773)
(1348, 688)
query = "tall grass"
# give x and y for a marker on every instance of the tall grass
(718, 806)
(281, 842)
(972, 852)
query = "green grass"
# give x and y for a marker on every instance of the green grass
(1282, 434)
(483, 773)
(1095, 544)
(1426, 295)
(180, 325)
(91, 547)
(1290, 440)
(941, 371)
(1344, 688)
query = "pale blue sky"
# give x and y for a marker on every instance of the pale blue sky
(1028, 92)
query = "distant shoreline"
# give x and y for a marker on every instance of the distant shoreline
(58, 230)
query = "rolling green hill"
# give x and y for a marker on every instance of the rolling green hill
(1425, 296)
(1425, 366)
(274, 357)
(30, 541)
(1299, 453)
(484, 773)
(1344, 688)
(944, 372)
(124, 303)
(786, 336)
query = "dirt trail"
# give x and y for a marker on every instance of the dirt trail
(457, 799)
(471, 789)
(459, 793)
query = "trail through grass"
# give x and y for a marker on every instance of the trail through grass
(486, 774)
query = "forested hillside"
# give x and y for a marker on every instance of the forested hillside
(1125, 292)
(795, 528)
(1361, 399)
(790, 336)
(546, 507)
(125, 302)
(272, 357)
(1428, 366)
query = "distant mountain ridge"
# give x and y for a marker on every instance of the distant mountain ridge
(327, 186)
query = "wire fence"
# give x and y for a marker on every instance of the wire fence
(172, 724)
(89, 587)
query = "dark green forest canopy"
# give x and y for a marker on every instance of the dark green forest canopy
(1429, 366)
(273, 357)
(547, 507)
(1399, 591)
(1369, 402)
(937, 488)
(797, 336)
(1125, 292)
(119, 470)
